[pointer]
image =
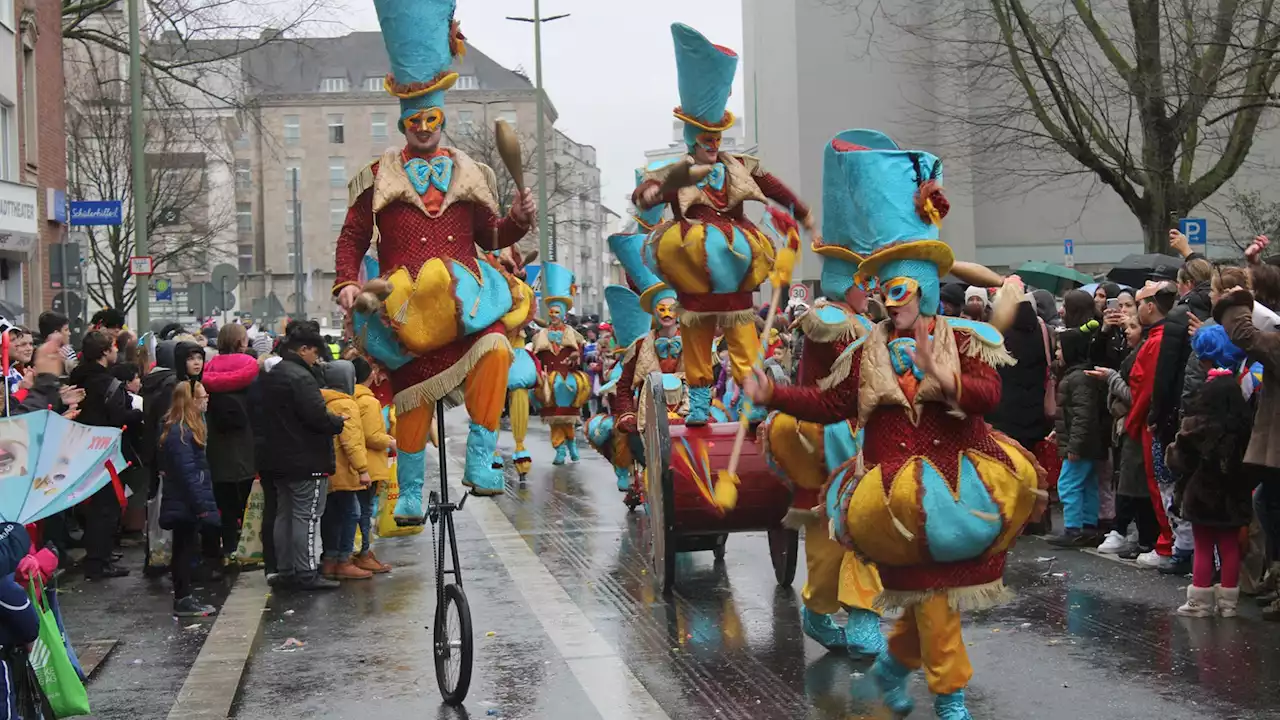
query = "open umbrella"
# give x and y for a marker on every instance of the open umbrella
(1054, 278)
(1136, 270)
(49, 464)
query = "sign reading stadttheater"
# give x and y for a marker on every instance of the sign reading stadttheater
(18, 209)
(96, 212)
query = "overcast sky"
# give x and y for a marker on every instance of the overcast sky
(608, 67)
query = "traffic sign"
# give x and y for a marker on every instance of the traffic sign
(141, 265)
(164, 290)
(1196, 230)
(1069, 252)
(799, 292)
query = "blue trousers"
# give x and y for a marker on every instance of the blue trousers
(1078, 491)
(338, 525)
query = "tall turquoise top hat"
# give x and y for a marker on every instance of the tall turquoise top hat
(422, 40)
(649, 219)
(884, 205)
(628, 249)
(705, 73)
(630, 321)
(558, 287)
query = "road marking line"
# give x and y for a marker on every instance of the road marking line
(612, 688)
(214, 680)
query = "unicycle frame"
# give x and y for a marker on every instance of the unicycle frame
(440, 511)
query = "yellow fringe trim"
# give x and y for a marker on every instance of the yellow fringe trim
(818, 331)
(841, 368)
(362, 181)
(976, 597)
(993, 355)
(726, 319)
(444, 383)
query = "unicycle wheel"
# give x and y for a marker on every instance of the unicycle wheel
(453, 645)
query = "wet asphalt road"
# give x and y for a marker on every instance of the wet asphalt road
(1086, 637)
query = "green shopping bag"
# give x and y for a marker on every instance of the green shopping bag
(49, 661)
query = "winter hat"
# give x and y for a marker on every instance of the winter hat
(974, 291)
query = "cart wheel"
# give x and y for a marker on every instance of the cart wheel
(453, 645)
(719, 548)
(784, 550)
(658, 499)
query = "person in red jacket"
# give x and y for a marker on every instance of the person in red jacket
(1154, 302)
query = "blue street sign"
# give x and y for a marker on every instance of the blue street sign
(1196, 230)
(96, 212)
(164, 289)
(1069, 247)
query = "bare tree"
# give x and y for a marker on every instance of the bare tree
(187, 226)
(194, 43)
(1158, 100)
(565, 184)
(1246, 214)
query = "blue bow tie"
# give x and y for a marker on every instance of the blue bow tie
(556, 336)
(902, 357)
(715, 179)
(668, 347)
(423, 174)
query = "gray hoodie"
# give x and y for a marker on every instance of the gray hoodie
(340, 375)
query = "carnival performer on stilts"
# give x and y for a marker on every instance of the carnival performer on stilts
(937, 497)
(806, 453)
(710, 254)
(563, 388)
(422, 211)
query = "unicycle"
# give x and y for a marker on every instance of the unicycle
(452, 642)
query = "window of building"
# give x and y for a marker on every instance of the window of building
(337, 213)
(244, 218)
(333, 85)
(293, 259)
(508, 116)
(337, 172)
(245, 255)
(378, 126)
(467, 82)
(244, 176)
(467, 119)
(288, 219)
(335, 129)
(242, 138)
(373, 84)
(292, 169)
(30, 111)
(6, 14)
(292, 130)
(8, 142)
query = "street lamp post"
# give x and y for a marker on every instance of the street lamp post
(537, 20)
(140, 241)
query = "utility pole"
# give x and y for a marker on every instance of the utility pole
(142, 300)
(299, 300)
(541, 149)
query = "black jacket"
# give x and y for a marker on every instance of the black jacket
(231, 442)
(1083, 422)
(296, 426)
(106, 401)
(1171, 363)
(1020, 414)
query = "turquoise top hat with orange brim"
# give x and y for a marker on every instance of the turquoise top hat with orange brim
(628, 249)
(649, 219)
(558, 287)
(705, 71)
(882, 209)
(422, 40)
(630, 321)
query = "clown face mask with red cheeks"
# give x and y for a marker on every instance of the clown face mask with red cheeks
(665, 312)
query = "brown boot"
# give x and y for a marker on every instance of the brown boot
(369, 561)
(328, 569)
(348, 571)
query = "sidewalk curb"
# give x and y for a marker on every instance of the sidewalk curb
(214, 680)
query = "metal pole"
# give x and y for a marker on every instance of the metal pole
(140, 244)
(299, 302)
(542, 131)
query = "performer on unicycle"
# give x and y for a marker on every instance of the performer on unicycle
(936, 498)
(710, 254)
(435, 317)
(563, 388)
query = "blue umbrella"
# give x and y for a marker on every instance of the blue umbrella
(49, 464)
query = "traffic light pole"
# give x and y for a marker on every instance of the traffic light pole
(141, 297)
